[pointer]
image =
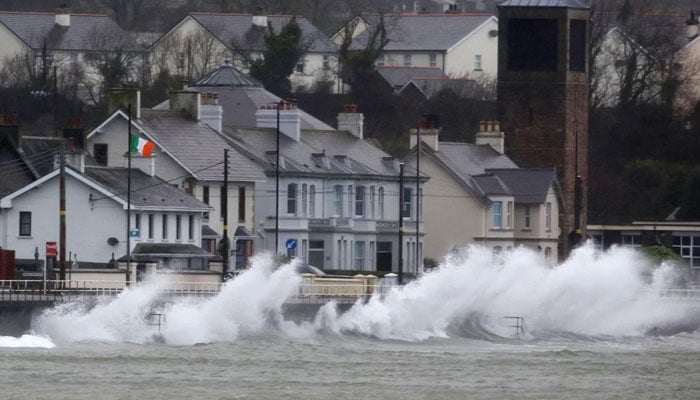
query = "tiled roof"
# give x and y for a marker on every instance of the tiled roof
(15, 170)
(426, 31)
(546, 3)
(527, 185)
(467, 159)
(33, 27)
(318, 152)
(239, 29)
(147, 191)
(399, 76)
(197, 146)
(42, 152)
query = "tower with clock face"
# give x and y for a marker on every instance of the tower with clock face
(543, 91)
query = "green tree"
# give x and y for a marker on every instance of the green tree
(282, 53)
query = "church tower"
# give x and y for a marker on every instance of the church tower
(543, 101)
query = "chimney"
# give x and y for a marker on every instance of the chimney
(490, 133)
(119, 99)
(63, 15)
(352, 121)
(691, 26)
(211, 112)
(74, 133)
(289, 118)
(146, 164)
(9, 127)
(428, 133)
(259, 19)
(451, 8)
(416, 7)
(187, 102)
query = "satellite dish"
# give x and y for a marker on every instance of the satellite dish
(112, 241)
(493, 33)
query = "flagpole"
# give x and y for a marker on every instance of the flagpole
(128, 203)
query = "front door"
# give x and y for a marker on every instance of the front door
(384, 256)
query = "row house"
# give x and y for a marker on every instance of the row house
(338, 194)
(478, 195)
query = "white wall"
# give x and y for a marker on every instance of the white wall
(460, 58)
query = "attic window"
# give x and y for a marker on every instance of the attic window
(99, 150)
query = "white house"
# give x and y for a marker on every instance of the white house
(189, 153)
(477, 195)
(338, 193)
(202, 41)
(461, 45)
(96, 211)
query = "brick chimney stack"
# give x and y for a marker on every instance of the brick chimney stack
(490, 133)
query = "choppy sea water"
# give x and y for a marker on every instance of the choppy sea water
(596, 328)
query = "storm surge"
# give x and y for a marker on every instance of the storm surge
(473, 294)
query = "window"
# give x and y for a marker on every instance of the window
(25, 223)
(497, 205)
(190, 227)
(548, 216)
(371, 202)
(350, 199)
(181, 60)
(407, 200)
(292, 199)
(420, 204)
(205, 194)
(548, 254)
(312, 201)
(477, 62)
(527, 217)
(300, 66)
(137, 224)
(360, 201)
(433, 60)
(304, 199)
(338, 201)
(577, 45)
(178, 227)
(688, 247)
(509, 214)
(371, 264)
(241, 204)
(223, 202)
(380, 60)
(326, 62)
(381, 203)
(406, 60)
(165, 226)
(384, 256)
(631, 240)
(99, 150)
(339, 258)
(150, 226)
(359, 260)
(316, 253)
(304, 250)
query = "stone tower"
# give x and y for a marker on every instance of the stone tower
(543, 89)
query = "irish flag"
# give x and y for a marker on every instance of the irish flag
(141, 146)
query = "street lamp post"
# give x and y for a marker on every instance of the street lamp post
(277, 182)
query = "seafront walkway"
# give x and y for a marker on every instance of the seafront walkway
(311, 291)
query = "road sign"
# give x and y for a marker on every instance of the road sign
(51, 249)
(134, 232)
(291, 244)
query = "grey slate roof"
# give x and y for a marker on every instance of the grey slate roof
(417, 32)
(147, 191)
(42, 151)
(467, 159)
(527, 185)
(240, 101)
(197, 146)
(430, 86)
(318, 152)
(239, 28)
(399, 76)
(15, 170)
(33, 27)
(546, 3)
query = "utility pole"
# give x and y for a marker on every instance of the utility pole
(224, 211)
(62, 215)
(128, 201)
(277, 182)
(418, 144)
(401, 165)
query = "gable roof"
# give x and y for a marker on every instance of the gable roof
(241, 96)
(239, 29)
(33, 27)
(15, 170)
(147, 192)
(582, 4)
(418, 32)
(399, 76)
(526, 185)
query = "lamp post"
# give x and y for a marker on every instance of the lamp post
(401, 165)
(277, 181)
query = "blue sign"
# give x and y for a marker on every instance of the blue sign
(291, 244)
(134, 232)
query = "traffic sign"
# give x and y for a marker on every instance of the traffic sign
(291, 244)
(51, 249)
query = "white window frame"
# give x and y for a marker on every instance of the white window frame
(292, 199)
(548, 216)
(497, 214)
(338, 200)
(359, 255)
(360, 201)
